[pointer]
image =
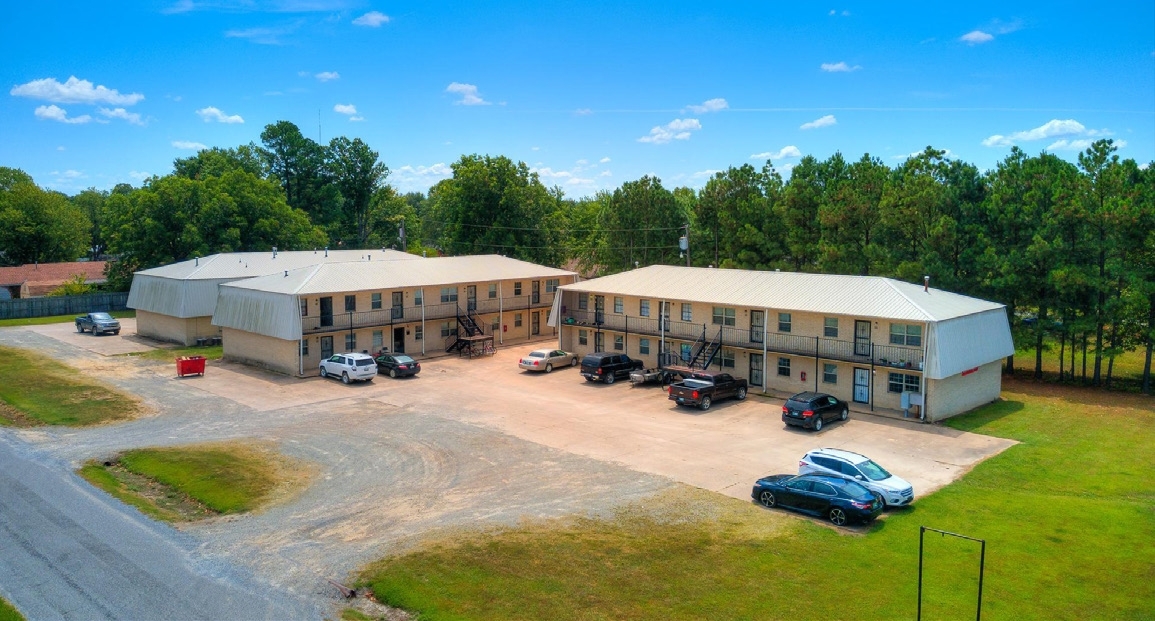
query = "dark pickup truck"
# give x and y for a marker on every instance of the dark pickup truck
(605, 367)
(97, 323)
(703, 388)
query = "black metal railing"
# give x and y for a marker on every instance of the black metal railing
(336, 322)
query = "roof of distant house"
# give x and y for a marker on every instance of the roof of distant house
(44, 277)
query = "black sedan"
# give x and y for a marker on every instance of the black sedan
(397, 365)
(836, 499)
(810, 410)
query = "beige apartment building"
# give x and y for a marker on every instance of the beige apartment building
(289, 321)
(877, 342)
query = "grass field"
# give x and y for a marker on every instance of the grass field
(8, 613)
(211, 352)
(1127, 372)
(37, 391)
(194, 482)
(39, 321)
(1067, 516)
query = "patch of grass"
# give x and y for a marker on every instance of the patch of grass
(168, 354)
(35, 390)
(1126, 374)
(193, 482)
(1066, 515)
(40, 321)
(352, 614)
(8, 612)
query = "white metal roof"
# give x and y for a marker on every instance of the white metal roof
(859, 296)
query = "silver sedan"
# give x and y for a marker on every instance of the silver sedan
(547, 359)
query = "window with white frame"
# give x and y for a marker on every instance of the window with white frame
(446, 329)
(495, 325)
(375, 301)
(829, 373)
(619, 342)
(906, 334)
(493, 291)
(583, 337)
(418, 297)
(830, 327)
(783, 322)
(378, 340)
(351, 341)
(551, 284)
(517, 320)
(644, 308)
(448, 294)
(727, 359)
(583, 301)
(901, 382)
(687, 312)
(419, 333)
(723, 316)
(784, 367)
(619, 304)
(643, 346)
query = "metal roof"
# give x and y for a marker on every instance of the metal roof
(858, 296)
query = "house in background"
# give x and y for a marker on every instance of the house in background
(877, 342)
(39, 279)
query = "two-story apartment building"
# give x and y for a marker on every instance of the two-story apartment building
(874, 341)
(290, 320)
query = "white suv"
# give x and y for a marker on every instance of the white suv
(895, 492)
(350, 367)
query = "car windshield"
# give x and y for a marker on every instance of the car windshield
(537, 354)
(364, 362)
(402, 359)
(102, 316)
(873, 471)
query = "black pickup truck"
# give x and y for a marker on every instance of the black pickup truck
(606, 367)
(703, 388)
(97, 323)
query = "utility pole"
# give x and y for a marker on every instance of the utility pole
(684, 243)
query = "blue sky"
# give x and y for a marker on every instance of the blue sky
(588, 94)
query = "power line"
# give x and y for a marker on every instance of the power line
(563, 231)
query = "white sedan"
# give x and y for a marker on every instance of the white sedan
(547, 359)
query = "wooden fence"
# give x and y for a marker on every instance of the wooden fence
(62, 305)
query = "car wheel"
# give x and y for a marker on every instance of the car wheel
(882, 499)
(767, 499)
(818, 423)
(573, 363)
(345, 378)
(324, 373)
(116, 333)
(706, 403)
(741, 394)
(837, 516)
(79, 328)
(548, 367)
(844, 415)
(393, 373)
(610, 378)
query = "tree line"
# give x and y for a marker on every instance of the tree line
(1068, 247)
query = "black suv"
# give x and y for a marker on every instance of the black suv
(607, 367)
(812, 409)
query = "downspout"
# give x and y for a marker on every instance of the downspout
(501, 312)
(925, 364)
(423, 332)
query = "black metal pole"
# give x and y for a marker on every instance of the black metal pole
(982, 562)
(921, 534)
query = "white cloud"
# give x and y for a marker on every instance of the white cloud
(704, 174)
(263, 36)
(582, 162)
(69, 174)
(468, 92)
(349, 109)
(605, 173)
(356, 118)
(784, 152)
(583, 112)
(1081, 144)
(535, 148)
(975, 37)
(139, 175)
(56, 113)
(372, 19)
(834, 12)
(549, 173)
(214, 114)
(678, 129)
(189, 145)
(73, 91)
(1050, 129)
(839, 67)
(604, 160)
(121, 113)
(437, 170)
(825, 121)
(61, 148)
(325, 76)
(710, 105)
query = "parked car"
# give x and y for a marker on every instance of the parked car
(837, 499)
(703, 388)
(350, 367)
(547, 359)
(606, 367)
(97, 323)
(811, 410)
(894, 491)
(398, 365)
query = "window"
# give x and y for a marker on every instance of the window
(418, 297)
(619, 305)
(783, 322)
(304, 345)
(723, 316)
(643, 346)
(830, 327)
(644, 308)
(378, 340)
(517, 320)
(493, 291)
(304, 307)
(822, 488)
(551, 284)
(350, 304)
(905, 334)
(727, 359)
(495, 326)
(448, 294)
(517, 288)
(685, 353)
(419, 333)
(900, 382)
(619, 342)
(375, 301)
(830, 373)
(445, 329)
(583, 337)
(784, 367)
(583, 301)
(687, 312)
(351, 342)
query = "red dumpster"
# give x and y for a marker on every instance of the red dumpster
(190, 365)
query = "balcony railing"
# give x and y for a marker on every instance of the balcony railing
(821, 347)
(409, 314)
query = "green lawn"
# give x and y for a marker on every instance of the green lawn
(37, 391)
(1127, 373)
(39, 321)
(8, 612)
(167, 354)
(1067, 516)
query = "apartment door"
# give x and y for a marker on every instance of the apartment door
(862, 338)
(398, 340)
(326, 347)
(757, 326)
(757, 364)
(599, 341)
(861, 385)
(666, 316)
(535, 292)
(471, 298)
(535, 323)
(398, 304)
(327, 313)
(599, 310)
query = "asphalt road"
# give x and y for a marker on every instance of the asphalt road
(68, 552)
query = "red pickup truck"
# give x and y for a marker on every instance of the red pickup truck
(703, 388)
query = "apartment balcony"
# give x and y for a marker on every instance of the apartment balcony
(440, 311)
